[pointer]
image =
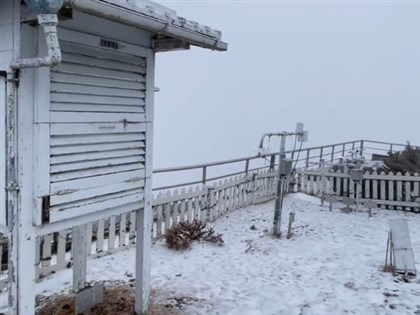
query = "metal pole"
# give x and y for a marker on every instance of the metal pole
(291, 220)
(307, 158)
(204, 177)
(280, 191)
(12, 192)
(272, 162)
(246, 166)
(357, 196)
(322, 181)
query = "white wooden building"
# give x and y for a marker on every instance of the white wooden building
(76, 121)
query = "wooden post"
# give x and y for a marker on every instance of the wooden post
(332, 153)
(323, 183)
(291, 220)
(358, 194)
(79, 249)
(145, 214)
(20, 178)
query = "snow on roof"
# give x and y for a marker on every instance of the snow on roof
(174, 26)
(169, 15)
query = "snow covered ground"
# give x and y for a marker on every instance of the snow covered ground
(332, 265)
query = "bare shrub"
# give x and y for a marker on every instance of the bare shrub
(118, 300)
(181, 236)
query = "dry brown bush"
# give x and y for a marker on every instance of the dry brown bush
(118, 300)
(181, 236)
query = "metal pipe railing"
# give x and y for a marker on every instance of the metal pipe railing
(333, 152)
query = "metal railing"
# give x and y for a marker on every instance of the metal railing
(206, 173)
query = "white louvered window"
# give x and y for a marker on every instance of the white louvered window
(97, 127)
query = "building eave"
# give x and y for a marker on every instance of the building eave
(158, 22)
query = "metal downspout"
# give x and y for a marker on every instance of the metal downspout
(12, 189)
(49, 24)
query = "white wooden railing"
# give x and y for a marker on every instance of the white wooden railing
(388, 190)
(211, 190)
(203, 202)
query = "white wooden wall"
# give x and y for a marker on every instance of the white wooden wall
(6, 55)
(2, 152)
(6, 33)
(9, 49)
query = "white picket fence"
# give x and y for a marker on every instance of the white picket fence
(391, 191)
(202, 202)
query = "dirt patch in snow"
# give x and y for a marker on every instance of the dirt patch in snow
(118, 300)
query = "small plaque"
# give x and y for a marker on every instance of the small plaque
(348, 201)
(331, 199)
(370, 204)
(286, 166)
(356, 175)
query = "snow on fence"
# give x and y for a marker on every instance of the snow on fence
(388, 190)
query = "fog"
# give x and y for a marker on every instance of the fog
(348, 70)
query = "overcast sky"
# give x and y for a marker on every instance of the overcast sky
(347, 69)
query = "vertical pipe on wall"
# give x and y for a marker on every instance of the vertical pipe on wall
(12, 190)
(3, 216)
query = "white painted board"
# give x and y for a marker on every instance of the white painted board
(2, 154)
(401, 245)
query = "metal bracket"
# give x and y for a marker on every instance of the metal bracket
(45, 215)
(169, 44)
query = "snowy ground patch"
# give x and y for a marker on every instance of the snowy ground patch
(332, 265)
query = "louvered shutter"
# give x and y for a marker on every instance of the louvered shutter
(97, 127)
